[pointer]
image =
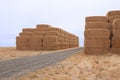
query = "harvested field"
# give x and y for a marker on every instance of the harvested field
(11, 52)
(80, 67)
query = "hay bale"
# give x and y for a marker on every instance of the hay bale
(25, 34)
(97, 43)
(112, 18)
(22, 38)
(43, 26)
(38, 33)
(115, 50)
(54, 29)
(116, 42)
(113, 13)
(97, 51)
(116, 33)
(36, 39)
(22, 44)
(97, 25)
(116, 24)
(28, 29)
(50, 44)
(50, 39)
(52, 33)
(97, 33)
(37, 44)
(96, 19)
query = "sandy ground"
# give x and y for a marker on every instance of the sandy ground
(11, 52)
(80, 67)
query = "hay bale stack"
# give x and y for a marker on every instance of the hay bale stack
(22, 42)
(51, 40)
(116, 36)
(96, 41)
(113, 15)
(97, 35)
(35, 42)
(45, 37)
(51, 43)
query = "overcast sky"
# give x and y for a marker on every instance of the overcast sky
(66, 14)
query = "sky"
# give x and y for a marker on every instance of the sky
(66, 14)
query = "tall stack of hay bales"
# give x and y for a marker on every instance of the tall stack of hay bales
(116, 36)
(97, 35)
(45, 37)
(36, 40)
(22, 41)
(114, 19)
(51, 39)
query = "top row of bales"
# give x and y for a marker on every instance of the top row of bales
(45, 37)
(100, 32)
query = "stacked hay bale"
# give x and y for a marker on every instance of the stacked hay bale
(45, 37)
(114, 17)
(66, 40)
(97, 35)
(73, 41)
(22, 41)
(51, 40)
(116, 36)
(36, 40)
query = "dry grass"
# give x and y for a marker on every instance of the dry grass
(80, 67)
(11, 52)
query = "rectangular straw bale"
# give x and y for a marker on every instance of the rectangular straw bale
(49, 37)
(50, 44)
(22, 38)
(116, 42)
(54, 33)
(43, 26)
(25, 34)
(113, 13)
(115, 50)
(35, 44)
(116, 24)
(97, 25)
(38, 33)
(97, 33)
(36, 38)
(96, 19)
(112, 18)
(54, 29)
(28, 29)
(22, 44)
(96, 50)
(97, 43)
(116, 33)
